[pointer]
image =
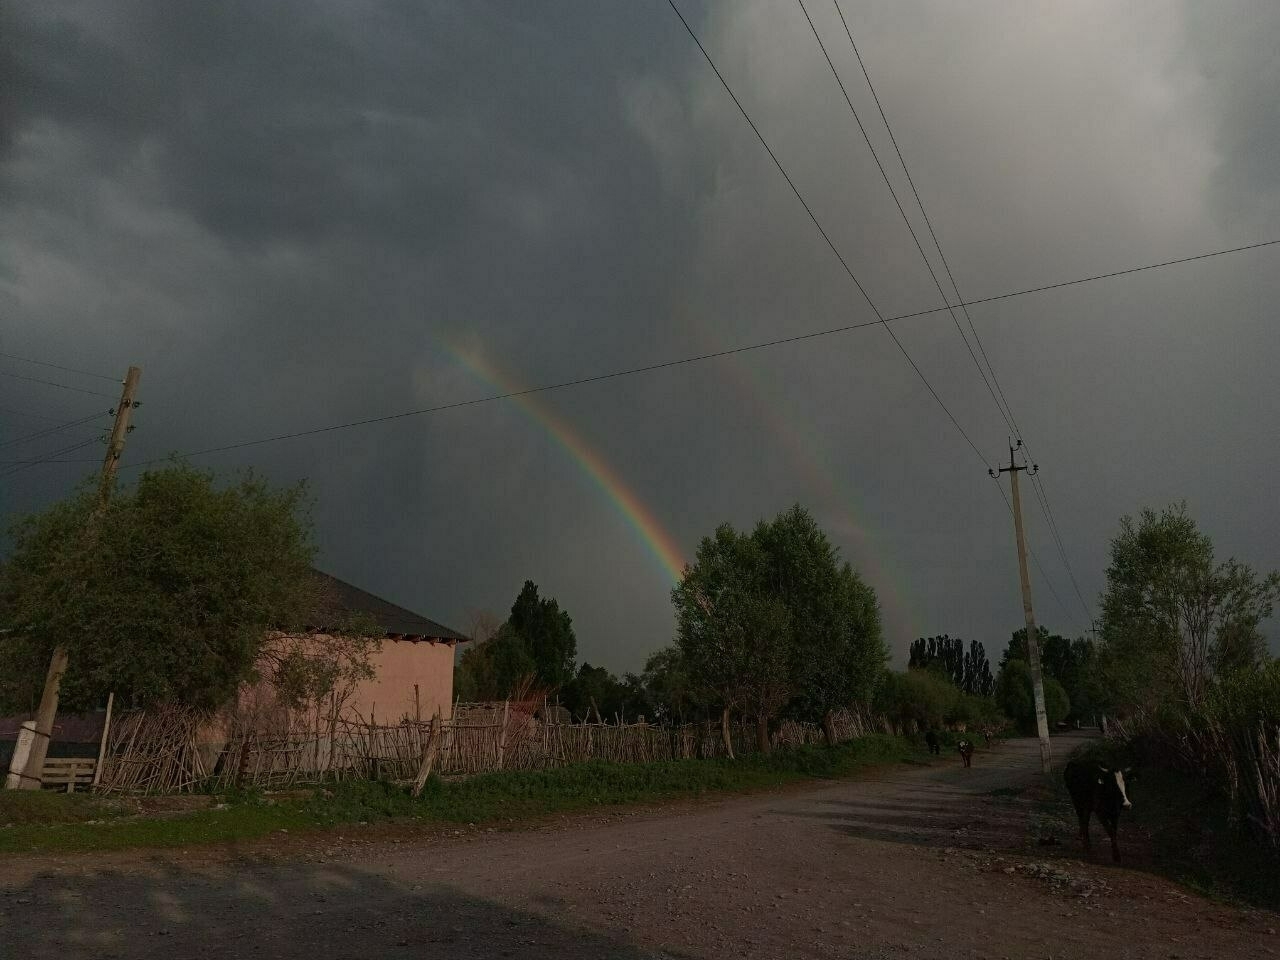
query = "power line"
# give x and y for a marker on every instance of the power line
(50, 430)
(1092, 278)
(898, 203)
(28, 413)
(825, 236)
(581, 381)
(1039, 566)
(43, 460)
(58, 366)
(1041, 494)
(54, 383)
(682, 361)
(1013, 424)
(48, 458)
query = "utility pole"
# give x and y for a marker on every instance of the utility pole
(27, 766)
(1033, 641)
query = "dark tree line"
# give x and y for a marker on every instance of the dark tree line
(970, 670)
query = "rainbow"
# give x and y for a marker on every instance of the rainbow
(869, 557)
(650, 531)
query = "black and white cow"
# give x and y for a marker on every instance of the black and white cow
(1101, 790)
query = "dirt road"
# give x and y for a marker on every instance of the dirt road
(918, 863)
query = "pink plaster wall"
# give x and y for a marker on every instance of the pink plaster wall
(398, 665)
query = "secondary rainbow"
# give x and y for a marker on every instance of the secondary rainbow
(639, 517)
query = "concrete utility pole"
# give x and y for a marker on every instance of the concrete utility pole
(27, 765)
(1033, 641)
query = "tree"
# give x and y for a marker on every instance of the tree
(536, 641)
(492, 668)
(1172, 618)
(547, 634)
(970, 671)
(733, 632)
(597, 690)
(773, 618)
(1014, 695)
(837, 650)
(1070, 662)
(666, 682)
(175, 600)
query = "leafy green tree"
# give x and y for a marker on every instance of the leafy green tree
(1172, 617)
(668, 688)
(547, 634)
(1015, 698)
(596, 689)
(733, 631)
(837, 648)
(1070, 662)
(172, 602)
(490, 670)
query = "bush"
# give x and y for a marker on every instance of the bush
(1015, 697)
(929, 700)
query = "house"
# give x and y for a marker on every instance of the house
(412, 666)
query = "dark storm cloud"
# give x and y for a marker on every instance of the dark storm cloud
(289, 212)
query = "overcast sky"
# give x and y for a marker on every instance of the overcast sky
(294, 214)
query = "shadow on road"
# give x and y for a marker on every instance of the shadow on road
(277, 910)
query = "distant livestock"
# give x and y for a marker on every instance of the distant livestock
(966, 752)
(931, 741)
(1101, 790)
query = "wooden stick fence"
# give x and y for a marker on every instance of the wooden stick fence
(177, 749)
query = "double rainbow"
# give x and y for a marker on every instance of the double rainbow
(648, 529)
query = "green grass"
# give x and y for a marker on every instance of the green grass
(1187, 826)
(26, 807)
(40, 823)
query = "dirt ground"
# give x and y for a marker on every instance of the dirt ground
(917, 863)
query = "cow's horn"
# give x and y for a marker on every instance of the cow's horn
(1104, 769)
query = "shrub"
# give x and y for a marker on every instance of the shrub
(1015, 697)
(929, 700)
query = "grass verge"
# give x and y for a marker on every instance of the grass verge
(58, 823)
(1186, 827)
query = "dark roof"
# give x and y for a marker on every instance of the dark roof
(343, 597)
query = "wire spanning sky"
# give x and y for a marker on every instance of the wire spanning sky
(299, 214)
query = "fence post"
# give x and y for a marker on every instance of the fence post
(102, 747)
(502, 734)
(428, 755)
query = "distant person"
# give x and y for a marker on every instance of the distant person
(966, 752)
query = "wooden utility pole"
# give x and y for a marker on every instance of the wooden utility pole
(1033, 641)
(27, 776)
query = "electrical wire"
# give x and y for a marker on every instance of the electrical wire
(54, 383)
(28, 413)
(1039, 566)
(1041, 493)
(58, 366)
(1092, 278)
(880, 318)
(682, 361)
(1009, 419)
(902, 212)
(1038, 483)
(48, 458)
(51, 430)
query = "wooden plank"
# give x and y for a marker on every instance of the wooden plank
(428, 755)
(102, 745)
